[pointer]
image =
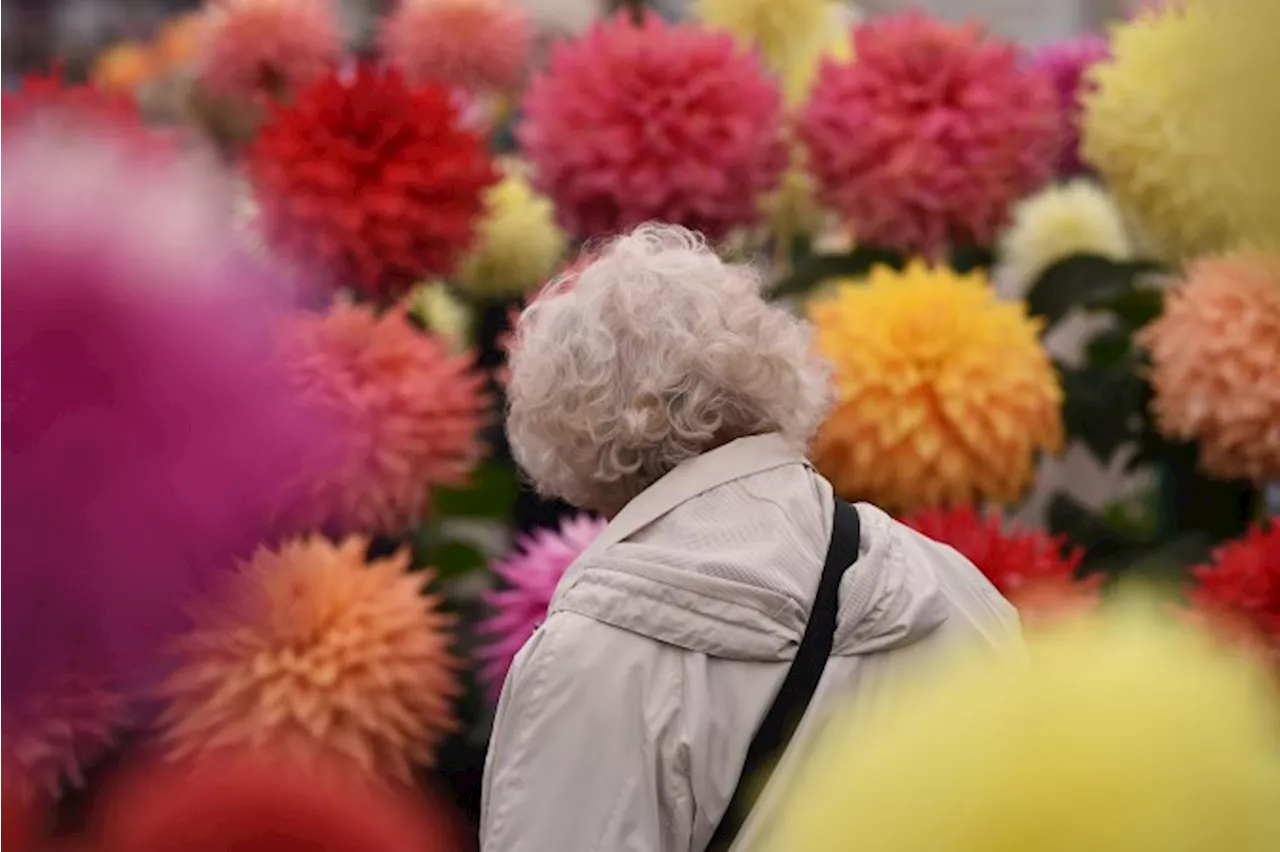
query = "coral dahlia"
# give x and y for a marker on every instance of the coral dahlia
(370, 181)
(1240, 589)
(528, 577)
(477, 45)
(407, 413)
(267, 48)
(1066, 64)
(925, 140)
(683, 128)
(1215, 364)
(316, 650)
(944, 391)
(1033, 570)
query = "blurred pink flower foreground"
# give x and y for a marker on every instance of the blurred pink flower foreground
(528, 576)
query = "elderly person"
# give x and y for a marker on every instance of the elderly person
(730, 595)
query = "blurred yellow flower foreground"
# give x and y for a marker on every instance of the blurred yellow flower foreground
(945, 393)
(1126, 734)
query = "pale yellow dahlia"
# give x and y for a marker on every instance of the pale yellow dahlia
(1184, 127)
(945, 392)
(782, 29)
(518, 244)
(1215, 364)
(440, 313)
(1061, 220)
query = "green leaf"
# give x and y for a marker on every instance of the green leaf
(1102, 406)
(813, 270)
(453, 560)
(1080, 280)
(491, 494)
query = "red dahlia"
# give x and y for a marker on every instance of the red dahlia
(1240, 590)
(1035, 571)
(48, 100)
(369, 181)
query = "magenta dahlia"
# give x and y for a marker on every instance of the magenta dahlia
(651, 120)
(528, 578)
(1065, 64)
(926, 140)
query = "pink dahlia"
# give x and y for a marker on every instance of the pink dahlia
(142, 431)
(477, 45)
(926, 140)
(1065, 63)
(529, 575)
(651, 120)
(407, 413)
(254, 48)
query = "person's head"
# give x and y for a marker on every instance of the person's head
(654, 352)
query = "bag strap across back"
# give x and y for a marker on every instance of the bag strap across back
(802, 678)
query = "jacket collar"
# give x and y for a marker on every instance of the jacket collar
(734, 460)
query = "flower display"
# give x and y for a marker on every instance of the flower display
(1061, 220)
(143, 434)
(254, 803)
(1214, 353)
(528, 577)
(684, 129)
(273, 48)
(318, 651)
(477, 45)
(1240, 589)
(925, 140)
(432, 304)
(518, 245)
(407, 413)
(1124, 733)
(369, 181)
(1035, 571)
(1066, 63)
(1155, 138)
(944, 391)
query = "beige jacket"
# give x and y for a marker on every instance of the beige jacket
(625, 720)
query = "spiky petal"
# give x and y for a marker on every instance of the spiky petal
(250, 49)
(482, 46)
(1240, 589)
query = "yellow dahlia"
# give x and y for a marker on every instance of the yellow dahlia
(1215, 364)
(833, 41)
(944, 391)
(1127, 735)
(440, 313)
(518, 244)
(782, 29)
(1059, 221)
(316, 650)
(1184, 128)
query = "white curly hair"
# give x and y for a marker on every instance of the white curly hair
(655, 352)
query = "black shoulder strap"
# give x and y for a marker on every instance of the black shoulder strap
(801, 681)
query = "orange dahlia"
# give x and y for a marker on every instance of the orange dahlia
(407, 412)
(320, 652)
(945, 393)
(1215, 364)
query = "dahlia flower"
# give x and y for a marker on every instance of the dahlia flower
(528, 577)
(477, 45)
(1241, 588)
(1066, 63)
(1214, 356)
(799, 72)
(272, 48)
(370, 181)
(408, 414)
(518, 245)
(683, 129)
(318, 651)
(254, 803)
(1126, 735)
(142, 433)
(123, 67)
(783, 31)
(432, 304)
(930, 135)
(1061, 220)
(944, 391)
(1153, 129)
(1035, 571)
